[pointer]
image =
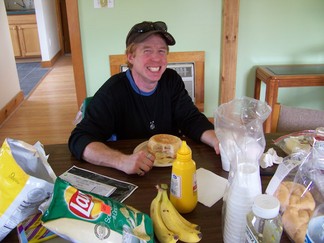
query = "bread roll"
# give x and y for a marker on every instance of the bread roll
(164, 147)
(295, 223)
(297, 205)
(294, 195)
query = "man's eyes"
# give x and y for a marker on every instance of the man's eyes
(163, 51)
(149, 51)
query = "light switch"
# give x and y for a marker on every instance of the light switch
(104, 3)
(111, 3)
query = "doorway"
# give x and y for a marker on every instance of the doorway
(64, 26)
(29, 68)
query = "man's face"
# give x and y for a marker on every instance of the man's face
(149, 60)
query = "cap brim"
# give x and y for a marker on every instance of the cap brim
(166, 36)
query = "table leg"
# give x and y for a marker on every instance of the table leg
(271, 99)
(257, 88)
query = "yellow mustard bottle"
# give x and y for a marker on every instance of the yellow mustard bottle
(183, 189)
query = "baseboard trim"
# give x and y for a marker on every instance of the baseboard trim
(50, 63)
(11, 106)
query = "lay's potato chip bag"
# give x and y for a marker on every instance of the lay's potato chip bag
(81, 216)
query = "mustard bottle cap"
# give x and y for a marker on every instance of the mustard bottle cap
(184, 153)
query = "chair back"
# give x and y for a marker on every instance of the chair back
(292, 119)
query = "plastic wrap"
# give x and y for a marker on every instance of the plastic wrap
(299, 185)
(297, 141)
(239, 128)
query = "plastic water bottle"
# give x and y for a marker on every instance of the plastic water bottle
(315, 230)
(263, 223)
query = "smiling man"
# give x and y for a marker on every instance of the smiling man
(145, 100)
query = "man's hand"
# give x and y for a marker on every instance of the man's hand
(100, 154)
(209, 138)
(139, 163)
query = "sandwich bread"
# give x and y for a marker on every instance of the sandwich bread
(164, 147)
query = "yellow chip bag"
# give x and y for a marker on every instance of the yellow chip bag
(26, 181)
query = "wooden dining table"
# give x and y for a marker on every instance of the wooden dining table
(209, 218)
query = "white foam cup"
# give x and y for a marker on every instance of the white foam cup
(225, 161)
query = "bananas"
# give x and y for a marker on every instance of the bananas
(163, 234)
(169, 225)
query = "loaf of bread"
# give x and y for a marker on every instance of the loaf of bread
(297, 205)
(164, 147)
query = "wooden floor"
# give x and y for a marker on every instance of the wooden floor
(48, 113)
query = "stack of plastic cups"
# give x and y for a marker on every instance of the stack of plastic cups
(246, 186)
(239, 128)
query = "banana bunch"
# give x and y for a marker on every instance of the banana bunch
(169, 225)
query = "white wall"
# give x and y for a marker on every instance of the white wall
(281, 32)
(47, 28)
(9, 82)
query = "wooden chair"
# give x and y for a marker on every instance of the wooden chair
(292, 119)
(196, 57)
(80, 114)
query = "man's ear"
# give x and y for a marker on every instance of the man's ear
(130, 58)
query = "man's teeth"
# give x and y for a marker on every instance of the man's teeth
(154, 69)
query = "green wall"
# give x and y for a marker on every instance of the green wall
(270, 32)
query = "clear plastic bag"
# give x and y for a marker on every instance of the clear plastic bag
(297, 141)
(299, 192)
(239, 128)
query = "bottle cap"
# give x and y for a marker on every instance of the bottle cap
(266, 206)
(184, 152)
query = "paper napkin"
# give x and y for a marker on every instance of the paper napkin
(211, 187)
(269, 158)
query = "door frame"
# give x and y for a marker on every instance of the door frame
(76, 50)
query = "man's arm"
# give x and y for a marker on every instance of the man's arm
(100, 154)
(209, 137)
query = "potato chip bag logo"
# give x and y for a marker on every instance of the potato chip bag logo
(82, 204)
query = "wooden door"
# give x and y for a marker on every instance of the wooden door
(65, 28)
